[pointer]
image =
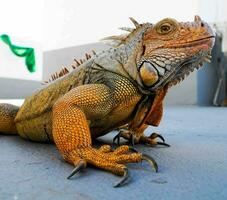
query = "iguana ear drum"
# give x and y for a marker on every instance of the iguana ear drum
(148, 73)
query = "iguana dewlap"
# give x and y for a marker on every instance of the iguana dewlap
(122, 86)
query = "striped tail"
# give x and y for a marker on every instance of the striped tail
(7, 115)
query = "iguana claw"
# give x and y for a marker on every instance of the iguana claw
(126, 176)
(163, 143)
(156, 135)
(78, 168)
(117, 137)
(124, 179)
(121, 135)
(151, 140)
(151, 161)
(132, 140)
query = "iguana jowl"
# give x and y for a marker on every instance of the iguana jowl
(122, 86)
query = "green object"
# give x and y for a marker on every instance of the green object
(26, 52)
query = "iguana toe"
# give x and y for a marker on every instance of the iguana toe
(124, 179)
(151, 161)
(81, 165)
(123, 134)
(152, 140)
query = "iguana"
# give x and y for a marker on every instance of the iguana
(121, 86)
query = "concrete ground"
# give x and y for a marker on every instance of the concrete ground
(194, 167)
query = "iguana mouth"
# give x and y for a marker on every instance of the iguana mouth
(199, 41)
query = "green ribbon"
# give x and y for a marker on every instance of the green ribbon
(26, 52)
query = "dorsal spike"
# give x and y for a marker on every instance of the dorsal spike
(136, 24)
(57, 75)
(60, 74)
(87, 56)
(66, 70)
(94, 53)
(44, 82)
(113, 37)
(127, 29)
(77, 62)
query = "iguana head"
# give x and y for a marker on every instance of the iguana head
(171, 50)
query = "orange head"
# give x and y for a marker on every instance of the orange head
(171, 50)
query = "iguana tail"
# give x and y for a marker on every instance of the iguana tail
(7, 115)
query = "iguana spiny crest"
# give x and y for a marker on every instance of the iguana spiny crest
(154, 55)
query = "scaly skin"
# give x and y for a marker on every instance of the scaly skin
(123, 86)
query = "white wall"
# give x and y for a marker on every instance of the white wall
(22, 21)
(213, 10)
(69, 23)
(63, 23)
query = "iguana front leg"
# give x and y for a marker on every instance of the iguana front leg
(71, 115)
(153, 119)
(134, 131)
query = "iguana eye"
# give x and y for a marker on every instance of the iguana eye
(165, 28)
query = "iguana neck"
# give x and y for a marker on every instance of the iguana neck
(129, 52)
(132, 43)
(122, 59)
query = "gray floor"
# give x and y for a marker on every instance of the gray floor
(194, 167)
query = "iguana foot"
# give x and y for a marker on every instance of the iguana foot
(107, 159)
(150, 140)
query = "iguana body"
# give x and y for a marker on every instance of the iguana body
(123, 86)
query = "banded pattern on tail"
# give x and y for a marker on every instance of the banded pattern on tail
(7, 115)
